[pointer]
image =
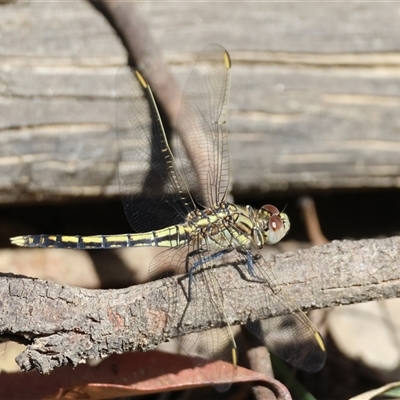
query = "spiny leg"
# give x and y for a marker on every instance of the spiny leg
(201, 261)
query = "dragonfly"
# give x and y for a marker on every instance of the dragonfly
(178, 200)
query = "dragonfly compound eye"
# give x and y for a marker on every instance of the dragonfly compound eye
(278, 227)
(271, 209)
(275, 223)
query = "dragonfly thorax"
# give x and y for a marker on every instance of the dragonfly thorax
(221, 224)
(218, 214)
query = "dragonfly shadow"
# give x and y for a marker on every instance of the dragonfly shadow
(119, 276)
(158, 173)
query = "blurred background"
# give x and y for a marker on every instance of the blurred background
(314, 111)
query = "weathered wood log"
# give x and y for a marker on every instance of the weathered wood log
(314, 99)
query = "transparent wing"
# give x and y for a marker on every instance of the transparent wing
(203, 122)
(205, 300)
(292, 337)
(152, 190)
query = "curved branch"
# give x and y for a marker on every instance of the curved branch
(65, 324)
(145, 55)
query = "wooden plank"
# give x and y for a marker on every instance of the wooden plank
(295, 27)
(314, 99)
(52, 33)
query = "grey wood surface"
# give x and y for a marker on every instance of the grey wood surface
(314, 101)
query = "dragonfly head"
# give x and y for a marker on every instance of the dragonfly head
(277, 224)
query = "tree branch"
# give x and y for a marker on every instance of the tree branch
(63, 324)
(145, 55)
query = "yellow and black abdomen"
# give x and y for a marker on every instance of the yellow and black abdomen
(167, 237)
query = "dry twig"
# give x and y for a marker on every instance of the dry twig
(63, 324)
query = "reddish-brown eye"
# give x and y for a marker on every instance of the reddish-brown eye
(272, 209)
(275, 223)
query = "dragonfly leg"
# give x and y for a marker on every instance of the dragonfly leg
(250, 260)
(250, 263)
(202, 261)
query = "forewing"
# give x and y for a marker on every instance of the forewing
(152, 190)
(202, 121)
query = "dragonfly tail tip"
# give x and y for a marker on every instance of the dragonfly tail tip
(18, 240)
